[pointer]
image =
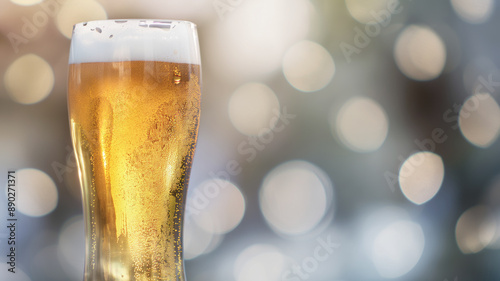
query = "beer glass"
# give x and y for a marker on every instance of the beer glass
(134, 104)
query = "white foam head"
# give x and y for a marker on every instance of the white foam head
(135, 40)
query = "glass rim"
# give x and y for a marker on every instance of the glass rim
(148, 22)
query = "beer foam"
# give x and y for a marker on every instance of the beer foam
(135, 40)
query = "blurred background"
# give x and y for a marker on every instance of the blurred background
(339, 140)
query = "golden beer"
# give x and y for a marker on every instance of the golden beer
(134, 127)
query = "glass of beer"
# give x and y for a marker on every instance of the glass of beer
(134, 105)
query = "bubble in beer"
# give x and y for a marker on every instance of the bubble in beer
(177, 76)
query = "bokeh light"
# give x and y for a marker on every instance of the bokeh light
(308, 66)
(421, 176)
(295, 196)
(475, 229)
(375, 219)
(197, 241)
(221, 205)
(260, 262)
(361, 124)
(71, 247)
(26, 2)
(29, 79)
(474, 11)
(269, 29)
(39, 193)
(398, 248)
(216, 241)
(254, 109)
(420, 53)
(479, 120)
(363, 10)
(75, 11)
